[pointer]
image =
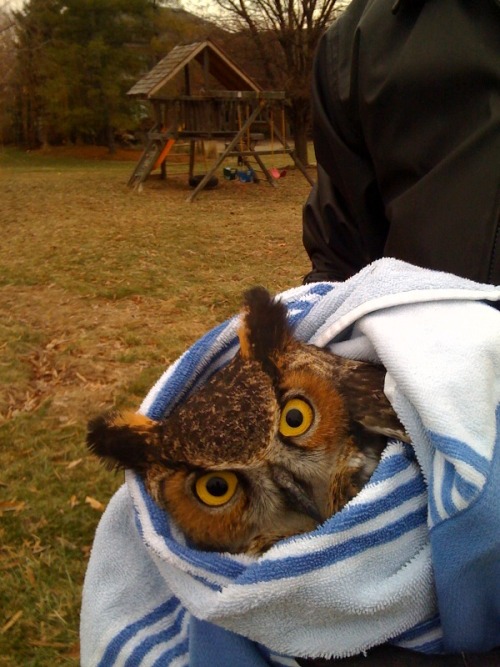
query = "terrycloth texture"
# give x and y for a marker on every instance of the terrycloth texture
(427, 522)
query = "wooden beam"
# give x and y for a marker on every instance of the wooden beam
(279, 151)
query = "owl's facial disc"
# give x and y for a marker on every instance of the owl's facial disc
(297, 494)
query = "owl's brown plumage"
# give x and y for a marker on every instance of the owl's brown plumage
(272, 445)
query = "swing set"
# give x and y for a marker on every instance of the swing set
(247, 144)
(239, 115)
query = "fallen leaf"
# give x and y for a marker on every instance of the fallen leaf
(12, 621)
(73, 501)
(95, 504)
(12, 506)
(55, 343)
(37, 546)
(86, 549)
(66, 543)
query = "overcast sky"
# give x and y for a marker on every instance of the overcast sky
(16, 4)
(11, 4)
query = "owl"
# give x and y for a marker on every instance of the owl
(270, 446)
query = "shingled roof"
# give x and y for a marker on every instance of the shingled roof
(220, 66)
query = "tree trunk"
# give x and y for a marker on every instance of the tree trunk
(43, 134)
(110, 134)
(301, 145)
(299, 116)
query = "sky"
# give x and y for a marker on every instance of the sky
(11, 4)
(17, 4)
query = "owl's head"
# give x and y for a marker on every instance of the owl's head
(262, 451)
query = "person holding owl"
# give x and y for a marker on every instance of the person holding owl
(406, 122)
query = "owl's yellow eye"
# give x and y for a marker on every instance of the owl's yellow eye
(216, 488)
(296, 417)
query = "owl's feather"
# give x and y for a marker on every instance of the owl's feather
(362, 387)
(123, 440)
(259, 343)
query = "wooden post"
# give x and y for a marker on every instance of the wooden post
(158, 114)
(192, 150)
(296, 160)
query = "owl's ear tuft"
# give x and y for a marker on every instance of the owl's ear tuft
(264, 332)
(125, 440)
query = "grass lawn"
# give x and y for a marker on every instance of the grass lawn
(100, 289)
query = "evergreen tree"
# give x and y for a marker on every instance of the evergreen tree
(77, 59)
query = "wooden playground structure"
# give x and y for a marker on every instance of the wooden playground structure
(218, 102)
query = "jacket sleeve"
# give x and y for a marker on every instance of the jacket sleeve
(344, 226)
(407, 136)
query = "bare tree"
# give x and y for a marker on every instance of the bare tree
(285, 34)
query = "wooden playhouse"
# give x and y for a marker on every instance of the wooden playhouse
(198, 93)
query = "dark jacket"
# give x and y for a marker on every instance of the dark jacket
(406, 108)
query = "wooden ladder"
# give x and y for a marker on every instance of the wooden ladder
(157, 149)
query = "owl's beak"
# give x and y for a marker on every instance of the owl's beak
(296, 493)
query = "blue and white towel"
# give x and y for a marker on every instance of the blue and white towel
(414, 559)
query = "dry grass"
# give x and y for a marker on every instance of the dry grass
(100, 289)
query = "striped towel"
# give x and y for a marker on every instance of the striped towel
(413, 560)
